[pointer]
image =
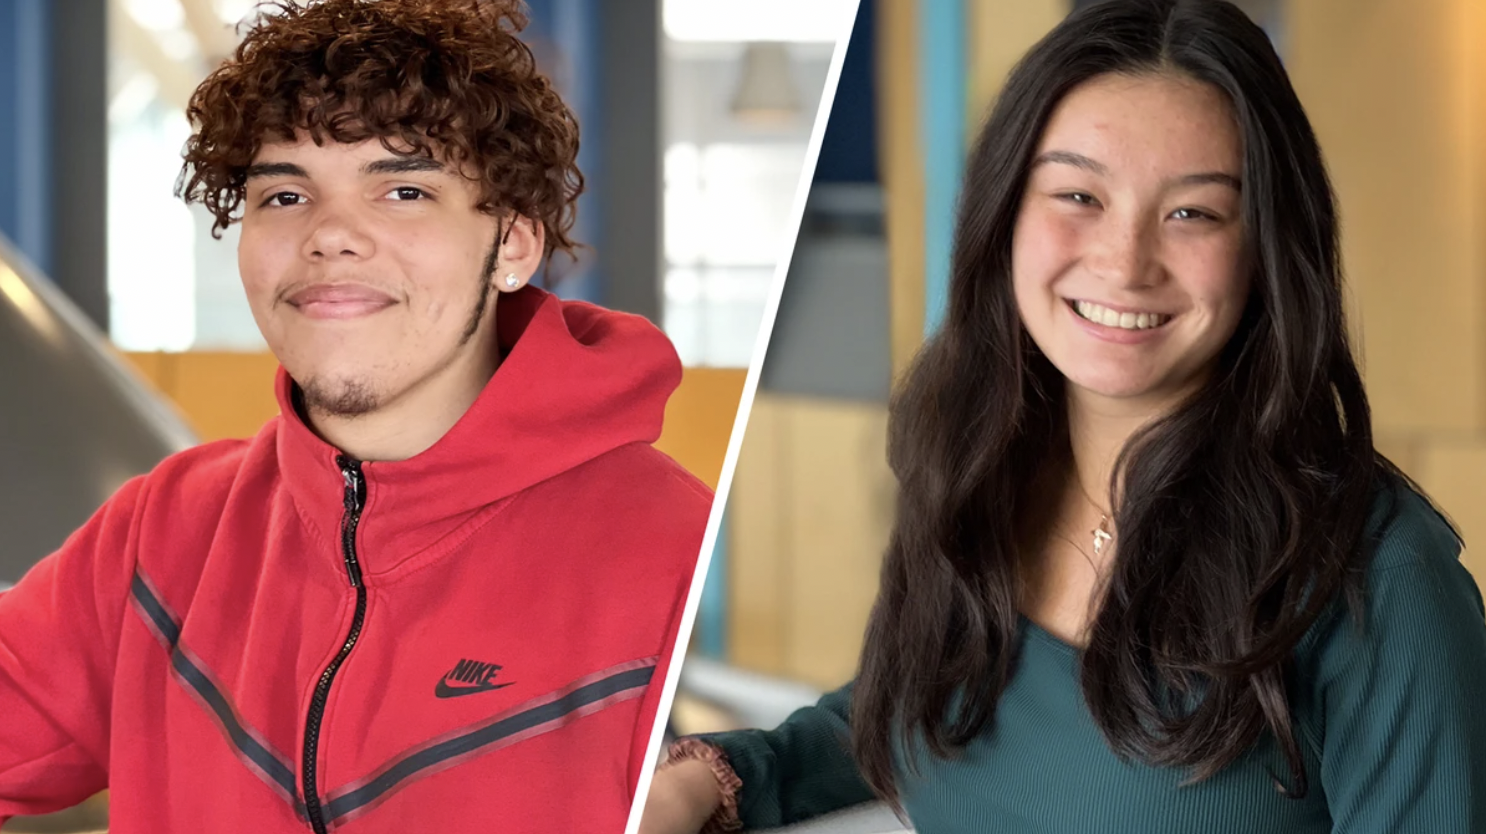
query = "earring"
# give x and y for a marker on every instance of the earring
(512, 281)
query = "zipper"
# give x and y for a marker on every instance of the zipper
(355, 499)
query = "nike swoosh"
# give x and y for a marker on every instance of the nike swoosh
(444, 690)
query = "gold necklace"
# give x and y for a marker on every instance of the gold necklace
(1102, 535)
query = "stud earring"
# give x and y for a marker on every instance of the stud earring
(512, 281)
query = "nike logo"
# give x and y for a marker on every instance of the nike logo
(468, 677)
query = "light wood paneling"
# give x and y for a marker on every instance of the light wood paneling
(1000, 34)
(1396, 90)
(699, 420)
(901, 172)
(221, 394)
(226, 394)
(810, 514)
(759, 559)
(1393, 89)
(839, 524)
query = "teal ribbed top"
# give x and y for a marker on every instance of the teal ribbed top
(1392, 720)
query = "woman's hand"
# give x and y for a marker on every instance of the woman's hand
(683, 796)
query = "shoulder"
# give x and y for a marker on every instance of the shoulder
(1392, 709)
(194, 477)
(636, 505)
(1406, 532)
(645, 479)
(1417, 600)
(182, 501)
(146, 521)
(201, 475)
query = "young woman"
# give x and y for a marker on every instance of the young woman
(1148, 572)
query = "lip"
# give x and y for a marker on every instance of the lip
(1118, 335)
(339, 301)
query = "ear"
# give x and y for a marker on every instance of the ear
(518, 253)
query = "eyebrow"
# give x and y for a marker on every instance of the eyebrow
(1077, 160)
(1094, 166)
(401, 165)
(275, 169)
(1217, 177)
(388, 165)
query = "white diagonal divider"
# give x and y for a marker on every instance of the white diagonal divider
(745, 405)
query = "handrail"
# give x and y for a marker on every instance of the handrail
(76, 420)
(64, 315)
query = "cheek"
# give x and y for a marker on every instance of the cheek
(260, 263)
(1217, 280)
(447, 286)
(1042, 245)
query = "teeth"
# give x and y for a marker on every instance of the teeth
(1124, 321)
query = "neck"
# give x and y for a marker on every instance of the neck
(1100, 426)
(1098, 429)
(414, 420)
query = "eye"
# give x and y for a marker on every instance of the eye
(408, 192)
(1082, 198)
(283, 198)
(1188, 213)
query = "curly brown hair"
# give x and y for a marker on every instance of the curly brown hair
(444, 79)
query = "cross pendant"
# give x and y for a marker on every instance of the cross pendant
(1101, 535)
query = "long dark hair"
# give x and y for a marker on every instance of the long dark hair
(1242, 512)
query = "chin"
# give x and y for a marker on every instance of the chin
(1117, 386)
(340, 395)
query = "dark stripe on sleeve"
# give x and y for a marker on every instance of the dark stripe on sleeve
(194, 677)
(155, 610)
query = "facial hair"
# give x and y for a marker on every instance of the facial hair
(483, 302)
(351, 398)
(355, 398)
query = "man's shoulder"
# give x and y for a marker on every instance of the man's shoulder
(642, 469)
(203, 475)
(636, 499)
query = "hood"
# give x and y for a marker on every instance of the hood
(577, 381)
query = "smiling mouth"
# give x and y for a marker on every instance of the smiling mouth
(338, 301)
(1098, 314)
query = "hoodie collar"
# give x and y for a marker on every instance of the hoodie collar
(577, 381)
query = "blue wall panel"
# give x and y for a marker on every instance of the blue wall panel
(25, 121)
(942, 69)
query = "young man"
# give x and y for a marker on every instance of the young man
(439, 591)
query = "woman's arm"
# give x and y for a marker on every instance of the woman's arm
(1403, 700)
(801, 769)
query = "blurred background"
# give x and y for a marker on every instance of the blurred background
(124, 334)
(1396, 90)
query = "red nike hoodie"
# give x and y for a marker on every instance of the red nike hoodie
(265, 636)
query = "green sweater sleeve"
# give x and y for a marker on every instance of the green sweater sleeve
(1402, 701)
(801, 769)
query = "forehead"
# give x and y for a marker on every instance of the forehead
(1159, 123)
(330, 154)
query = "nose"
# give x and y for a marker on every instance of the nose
(335, 233)
(1122, 252)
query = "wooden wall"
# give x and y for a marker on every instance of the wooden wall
(1396, 90)
(808, 515)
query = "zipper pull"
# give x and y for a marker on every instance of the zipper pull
(351, 474)
(353, 490)
(355, 497)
